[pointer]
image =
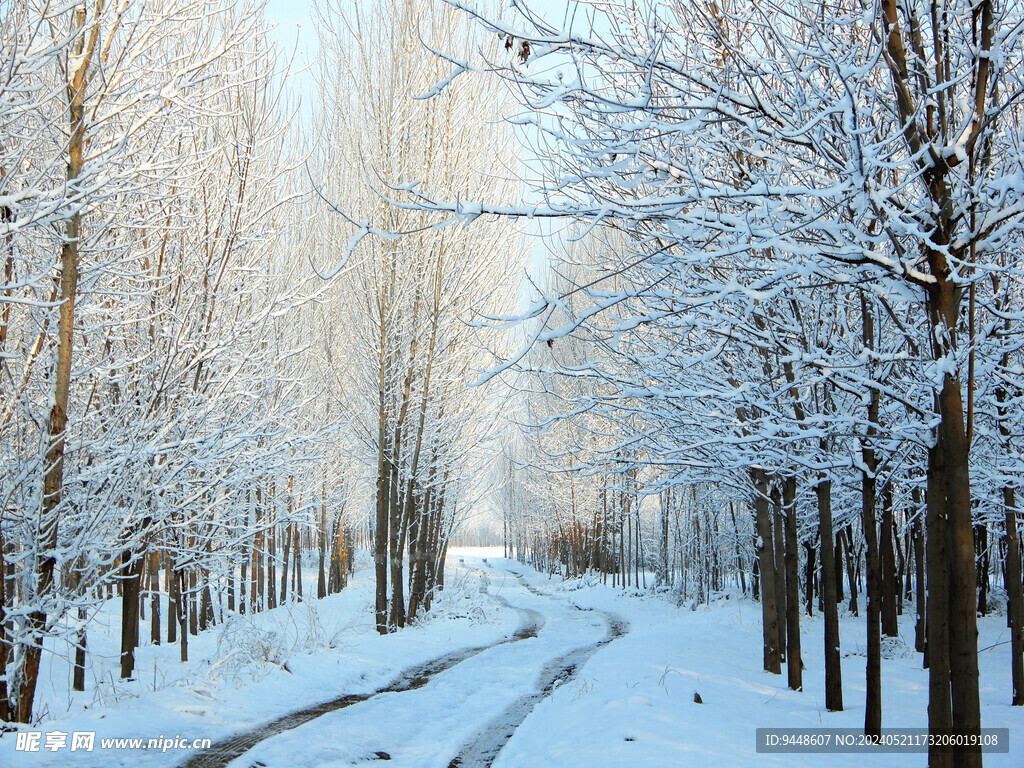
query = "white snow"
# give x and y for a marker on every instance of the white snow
(632, 703)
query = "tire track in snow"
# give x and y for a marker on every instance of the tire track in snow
(482, 750)
(226, 750)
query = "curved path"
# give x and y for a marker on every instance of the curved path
(483, 748)
(465, 704)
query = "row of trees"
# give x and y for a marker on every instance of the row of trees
(190, 411)
(151, 386)
(412, 301)
(803, 293)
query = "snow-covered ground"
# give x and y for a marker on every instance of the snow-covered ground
(239, 676)
(633, 703)
(630, 703)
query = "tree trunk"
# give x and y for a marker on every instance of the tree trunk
(833, 659)
(424, 547)
(284, 563)
(982, 559)
(191, 601)
(272, 558)
(130, 588)
(963, 604)
(380, 542)
(154, 598)
(173, 600)
(416, 584)
(78, 673)
(780, 569)
(837, 579)
(1012, 577)
(396, 541)
(920, 632)
(766, 566)
(182, 613)
(873, 698)
(940, 715)
(232, 584)
(255, 582)
(1015, 597)
(906, 553)
(321, 576)
(890, 623)
(206, 616)
(663, 537)
(851, 568)
(736, 535)
(809, 572)
(53, 480)
(794, 664)
(335, 567)
(297, 560)
(873, 705)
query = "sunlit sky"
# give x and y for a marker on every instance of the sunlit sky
(295, 31)
(294, 17)
(294, 24)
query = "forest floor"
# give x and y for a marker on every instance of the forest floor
(511, 666)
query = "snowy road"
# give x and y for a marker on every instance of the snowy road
(457, 710)
(510, 668)
(484, 747)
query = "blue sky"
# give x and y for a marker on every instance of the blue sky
(293, 17)
(290, 14)
(295, 26)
